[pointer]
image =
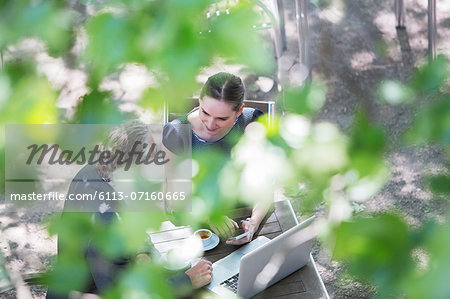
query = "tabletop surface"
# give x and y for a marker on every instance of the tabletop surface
(304, 283)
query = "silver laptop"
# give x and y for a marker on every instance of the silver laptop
(263, 262)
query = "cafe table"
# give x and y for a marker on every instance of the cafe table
(304, 283)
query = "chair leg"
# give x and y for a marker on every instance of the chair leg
(301, 11)
(1, 59)
(400, 14)
(274, 19)
(165, 113)
(432, 29)
(280, 9)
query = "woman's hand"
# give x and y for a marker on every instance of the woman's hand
(249, 225)
(226, 228)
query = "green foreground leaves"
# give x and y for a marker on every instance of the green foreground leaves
(382, 250)
(314, 160)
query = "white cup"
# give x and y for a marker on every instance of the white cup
(205, 235)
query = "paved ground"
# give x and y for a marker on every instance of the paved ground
(354, 46)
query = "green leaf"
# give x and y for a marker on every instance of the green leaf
(363, 188)
(324, 152)
(2, 162)
(367, 146)
(28, 97)
(50, 21)
(306, 100)
(112, 41)
(125, 237)
(5, 280)
(144, 280)
(207, 198)
(432, 281)
(432, 75)
(432, 124)
(395, 93)
(377, 250)
(98, 108)
(71, 272)
(74, 230)
(440, 184)
(232, 36)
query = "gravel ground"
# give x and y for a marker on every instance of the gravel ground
(354, 46)
(353, 50)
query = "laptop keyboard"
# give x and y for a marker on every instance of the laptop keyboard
(231, 283)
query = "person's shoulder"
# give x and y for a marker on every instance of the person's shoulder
(251, 114)
(88, 179)
(176, 135)
(87, 173)
(174, 127)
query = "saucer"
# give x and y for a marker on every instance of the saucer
(186, 266)
(214, 242)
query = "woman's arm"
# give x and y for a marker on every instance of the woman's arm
(251, 224)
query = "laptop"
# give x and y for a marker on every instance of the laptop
(263, 262)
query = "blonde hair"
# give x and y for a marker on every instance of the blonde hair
(122, 139)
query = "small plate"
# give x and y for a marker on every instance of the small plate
(178, 268)
(214, 242)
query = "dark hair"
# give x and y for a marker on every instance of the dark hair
(225, 87)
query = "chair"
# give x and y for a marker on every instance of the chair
(272, 18)
(274, 11)
(432, 28)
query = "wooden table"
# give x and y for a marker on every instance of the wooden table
(305, 283)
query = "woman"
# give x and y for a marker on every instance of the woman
(218, 118)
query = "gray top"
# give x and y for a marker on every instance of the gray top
(178, 140)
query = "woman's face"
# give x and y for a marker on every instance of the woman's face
(217, 116)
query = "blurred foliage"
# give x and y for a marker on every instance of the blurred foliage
(115, 240)
(377, 256)
(50, 21)
(4, 275)
(313, 160)
(432, 124)
(432, 282)
(71, 270)
(367, 147)
(26, 97)
(432, 76)
(395, 93)
(207, 186)
(381, 249)
(98, 107)
(172, 38)
(428, 79)
(141, 281)
(306, 100)
(440, 184)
